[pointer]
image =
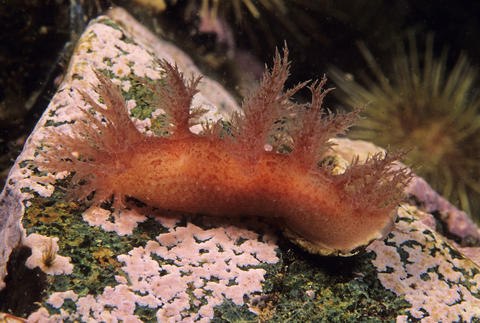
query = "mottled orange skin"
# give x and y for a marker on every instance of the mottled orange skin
(198, 175)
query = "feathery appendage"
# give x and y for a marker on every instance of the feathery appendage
(262, 108)
(174, 96)
(377, 183)
(310, 138)
(89, 144)
(232, 175)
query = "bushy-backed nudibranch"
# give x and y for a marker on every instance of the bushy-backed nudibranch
(233, 175)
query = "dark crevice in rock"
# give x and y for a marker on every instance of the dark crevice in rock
(24, 287)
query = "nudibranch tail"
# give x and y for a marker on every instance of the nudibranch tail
(232, 175)
(365, 200)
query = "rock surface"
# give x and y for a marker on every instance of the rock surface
(103, 265)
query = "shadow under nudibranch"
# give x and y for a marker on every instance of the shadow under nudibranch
(326, 213)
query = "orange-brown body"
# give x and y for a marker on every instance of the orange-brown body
(198, 175)
(232, 174)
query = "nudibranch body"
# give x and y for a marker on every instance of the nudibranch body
(233, 175)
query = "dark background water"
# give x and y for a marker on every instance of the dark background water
(38, 36)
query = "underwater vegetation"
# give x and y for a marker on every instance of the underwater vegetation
(423, 103)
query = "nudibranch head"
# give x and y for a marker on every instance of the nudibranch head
(319, 209)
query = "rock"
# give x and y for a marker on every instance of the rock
(96, 264)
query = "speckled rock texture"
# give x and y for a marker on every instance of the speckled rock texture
(97, 264)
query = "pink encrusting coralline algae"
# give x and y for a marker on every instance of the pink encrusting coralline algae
(200, 269)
